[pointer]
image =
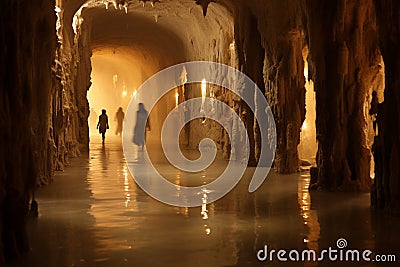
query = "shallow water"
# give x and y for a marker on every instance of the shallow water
(95, 215)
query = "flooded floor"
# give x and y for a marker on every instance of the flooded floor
(95, 215)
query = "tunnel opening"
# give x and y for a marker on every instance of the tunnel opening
(307, 148)
(129, 47)
(114, 82)
(373, 107)
(124, 55)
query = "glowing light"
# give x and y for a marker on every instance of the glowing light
(306, 70)
(176, 99)
(208, 231)
(134, 94)
(304, 126)
(203, 89)
(232, 45)
(124, 93)
(203, 97)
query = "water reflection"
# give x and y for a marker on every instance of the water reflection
(204, 211)
(310, 217)
(103, 157)
(94, 213)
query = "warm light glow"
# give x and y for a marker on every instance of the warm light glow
(134, 94)
(203, 97)
(232, 45)
(115, 80)
(304, 127)
(176, 99)
(124, 93)
(203, 89)
(208, 231)
(306, 70)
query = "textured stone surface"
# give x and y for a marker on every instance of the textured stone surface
(343, 60)
(28, 43)
(387, 152)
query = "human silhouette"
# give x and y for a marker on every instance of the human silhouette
(142, 124)
(119, 118)
(102, 125)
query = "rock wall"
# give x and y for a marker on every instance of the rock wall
(28, 42)
(343, 60)
(43, 106)
(69, 109)
(386, 191)
(270, 40)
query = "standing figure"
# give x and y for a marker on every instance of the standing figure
(119, 117)
(142, 124)
(102, 125)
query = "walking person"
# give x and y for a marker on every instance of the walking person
(142, 124)
(119, 117)
(102, 125)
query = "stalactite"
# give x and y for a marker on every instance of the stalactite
(282, 71)
(343, 67)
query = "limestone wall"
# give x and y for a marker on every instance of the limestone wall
(28, 43)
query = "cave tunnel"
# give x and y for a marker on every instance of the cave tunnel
(328, 70)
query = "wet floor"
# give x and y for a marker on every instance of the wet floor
(95, 215)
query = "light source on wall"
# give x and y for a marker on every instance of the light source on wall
(306, 70)
(134, 94)
(176, 99)
(203, 97)
(203, 89)
(124, 93)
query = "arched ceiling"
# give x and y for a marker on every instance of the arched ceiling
(164, 33)
(147, 25)
(147, 38)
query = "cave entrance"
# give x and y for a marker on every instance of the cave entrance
(377, 87)
(117, 73)
(307, 148)
(129, 45)
(114, 82)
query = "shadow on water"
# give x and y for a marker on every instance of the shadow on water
(95, 215)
